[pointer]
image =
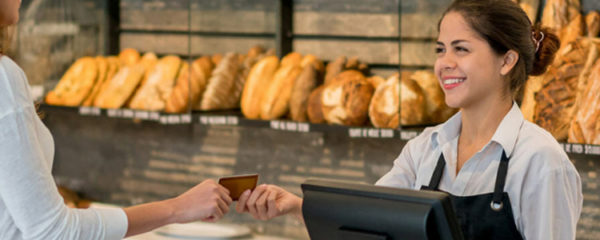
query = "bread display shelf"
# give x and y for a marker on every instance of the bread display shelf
(235, 118)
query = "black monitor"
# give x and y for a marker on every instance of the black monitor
(336, 210)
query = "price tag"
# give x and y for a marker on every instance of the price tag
(370, 133)
(143, 115)
(592, 149)
(290, 126)
(89, 111)
(114, 113)
(219, 120)
(408, 135)
(128, 113)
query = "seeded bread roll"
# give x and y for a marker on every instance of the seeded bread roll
(76, 84)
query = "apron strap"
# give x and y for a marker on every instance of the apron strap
(437, 173)
(496, 203)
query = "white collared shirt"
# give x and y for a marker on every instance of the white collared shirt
(543, 185)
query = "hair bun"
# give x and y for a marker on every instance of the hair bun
(548, 46)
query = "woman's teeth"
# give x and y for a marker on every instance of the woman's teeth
(454, 80)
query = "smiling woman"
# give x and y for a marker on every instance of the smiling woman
(507, 177)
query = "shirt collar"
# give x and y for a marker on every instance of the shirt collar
(506, 134)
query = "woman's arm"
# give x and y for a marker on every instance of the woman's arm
(207, 201)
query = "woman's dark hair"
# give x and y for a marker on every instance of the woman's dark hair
(505, 26)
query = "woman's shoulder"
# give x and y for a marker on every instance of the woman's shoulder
(540, 148)
(14, 89)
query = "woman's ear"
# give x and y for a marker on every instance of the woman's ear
(509, 61)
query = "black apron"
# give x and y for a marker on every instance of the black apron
(484, 216)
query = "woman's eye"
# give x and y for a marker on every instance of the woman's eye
(439, 50)
(461, 49)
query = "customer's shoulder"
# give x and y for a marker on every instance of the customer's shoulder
(14, 89)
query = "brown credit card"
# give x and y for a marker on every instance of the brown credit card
(238, 184)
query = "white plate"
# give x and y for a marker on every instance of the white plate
(204, 231)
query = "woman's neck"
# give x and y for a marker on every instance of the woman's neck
(480, 120)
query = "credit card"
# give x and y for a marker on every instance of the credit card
(238, 184)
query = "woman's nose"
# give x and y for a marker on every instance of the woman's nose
(446, 61)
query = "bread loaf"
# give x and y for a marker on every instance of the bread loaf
(276, 99)
(412, 103)
(112, 65)
(179, 98)
(436, 109)
(375, 81)
(129, 56)
(585, 127)
(306, 82)
(191, 83)
(216, 59)
(592, 22)
(158, 85)
(556, 98)
(384, 110)
(259, 78)
(346, 99)
(292, 58)
(334, 68)
(315, 107)
(76, 83)
(224, 87)
(118, 89)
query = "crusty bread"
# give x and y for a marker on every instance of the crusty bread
(179, 98)
(334, 68)
(129, 56)
(76, 83)
(259, 78)
(585, 127)
(375, 80)
(276, 99)
(436, 109)
(292, 58)
(314, 109)
(224, 87)
(103, 69)
(201, 71)
(306, 82)
(153, 93)
(412, 102)
(119, 89)
(346, 99)
(592, 22)
(216, 59)
(384, 110)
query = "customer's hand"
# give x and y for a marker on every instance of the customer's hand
(269, 201)
(207, 201)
